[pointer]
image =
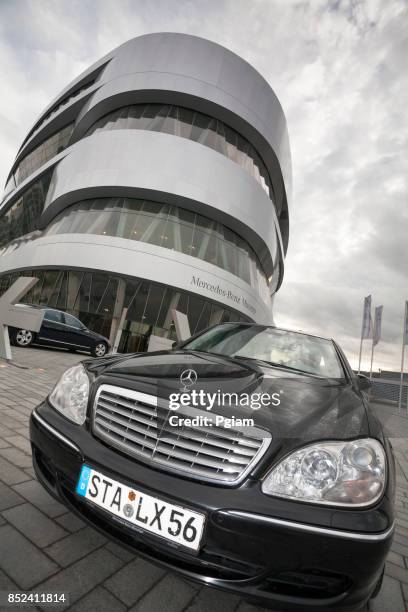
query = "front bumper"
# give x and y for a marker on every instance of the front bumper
(261, 548)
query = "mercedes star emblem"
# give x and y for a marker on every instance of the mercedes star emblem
(188, 378)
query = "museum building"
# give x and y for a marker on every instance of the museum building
(158, 179)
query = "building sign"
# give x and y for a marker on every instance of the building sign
(216, 289)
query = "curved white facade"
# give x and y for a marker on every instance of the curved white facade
(164, 168)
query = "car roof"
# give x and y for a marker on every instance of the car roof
(37, 307)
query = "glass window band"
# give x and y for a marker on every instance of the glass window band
(39, 156)
(193, 125)
(167, 226)
(91, 297)
(23, 215)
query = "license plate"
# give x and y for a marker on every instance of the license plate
(174, 523)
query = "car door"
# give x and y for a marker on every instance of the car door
(77, 335)
(52, 330)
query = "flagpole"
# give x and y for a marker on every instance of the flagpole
(361, 348)
(402, 355)
(366, 326)
(376, 335)
(372, 355)
(361, 339)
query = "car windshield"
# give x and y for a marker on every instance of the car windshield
(279, 347)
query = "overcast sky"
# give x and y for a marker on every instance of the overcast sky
(340, 70)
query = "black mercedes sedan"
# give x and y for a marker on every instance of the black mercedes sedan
(246, 458)
(63, 330)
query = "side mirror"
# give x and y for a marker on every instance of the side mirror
(364, 383)
(175, 343)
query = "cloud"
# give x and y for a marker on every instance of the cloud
(339, 70)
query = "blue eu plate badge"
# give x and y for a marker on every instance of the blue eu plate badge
(82, 485)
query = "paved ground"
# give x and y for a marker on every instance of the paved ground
(46, 548)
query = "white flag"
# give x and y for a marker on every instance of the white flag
(406, 324)
(377, 324)
(367, 328)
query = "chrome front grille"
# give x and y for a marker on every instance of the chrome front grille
(130, 421)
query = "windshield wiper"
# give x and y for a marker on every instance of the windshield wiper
(275, 364)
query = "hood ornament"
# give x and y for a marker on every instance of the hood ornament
(188, 378)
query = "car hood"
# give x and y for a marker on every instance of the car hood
(310, 407)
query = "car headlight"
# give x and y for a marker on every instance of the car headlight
(332, 473)
(70, 394)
